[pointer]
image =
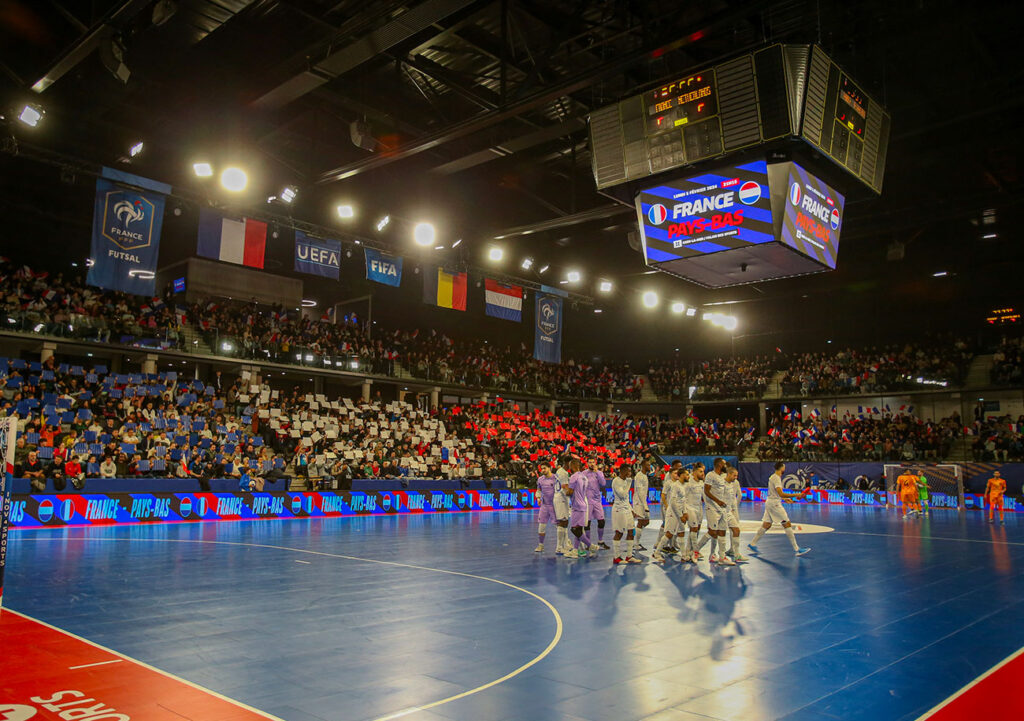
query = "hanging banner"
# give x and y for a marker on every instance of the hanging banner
(503, 301)
(8, 429)
(317, 256)
(444, 289)
(383, 268)
(547, 336)
(125, 237)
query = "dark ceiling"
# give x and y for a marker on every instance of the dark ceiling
(478, 110)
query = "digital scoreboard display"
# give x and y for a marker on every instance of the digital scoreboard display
(719, 210)
(681, 102)
(813, 217)
(852, 107)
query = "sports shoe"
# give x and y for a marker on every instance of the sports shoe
(633, 559)
(739, 558)
(618, 560)
(991, 521)
(641, 547)
(752, 547)
(657, 557)
(726, 561)
(697, 556)
(539, 548)
(730, 554)
(582, 553)
(594, 547)
(713, 558)
(670, 549)
(802, 551)
(604, 546)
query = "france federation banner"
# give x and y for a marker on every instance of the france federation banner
(383, 268)
(317, 256)
(126, 227)
(547, 335)
(503, 301)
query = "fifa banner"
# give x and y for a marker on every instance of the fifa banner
(317, 256)
(547, 334)
(383, 268)
(127, 218)
(8, 429)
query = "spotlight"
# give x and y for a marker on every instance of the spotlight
(346, 211)
(308, 303)
(573, 276)
(650, 299)
(288, 193)
(544, 269)
(383, 223)
(234, 179)
(457, 243)
(31, 115)
(226, 347)
(135, 149)
(691, 312)
(496, 254)
(423, 234)
(202, 170)
(606, 286)
(729, 322)
(598, 310)
(142, 274)
(526, 264)
(678, 307)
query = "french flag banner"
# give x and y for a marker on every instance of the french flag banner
(504, 301)
(242, 242)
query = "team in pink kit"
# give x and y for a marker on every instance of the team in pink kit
(572, 497)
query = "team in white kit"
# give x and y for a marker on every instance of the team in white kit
(570, 498)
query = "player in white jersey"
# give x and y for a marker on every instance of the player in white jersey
(774, 511)
(734, 494)
(720, 517)
(641, 511)
(623, 521)
(693, 503)
(670, 474)
(561, 502)
(730, 518)
(674, 512)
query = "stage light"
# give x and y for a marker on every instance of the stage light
(308, 303)
(423, 234)
(605, 287)
(729, 322)
(234, 179)
(226, 347)
(141, 274)
(438, 247)
(346, 211)
(457, 243)
(383, 223)
(496, 254)
(527, 263)
(597, 310)
(650, 299)
(691, 312)
(544, 269)
(678, 307)
(31, 115)
(202, 170)
(573, 276)
(940, 274)
(135, 149)
(288, 193)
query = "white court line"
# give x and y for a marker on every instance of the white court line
(398, 714)
(90, 665)
(144, 665)
(306, 562)
(971, 685)
(931, 538)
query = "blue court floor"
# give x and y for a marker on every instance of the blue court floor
(883, 620)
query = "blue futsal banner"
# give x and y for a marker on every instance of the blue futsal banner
(383, 268)
(547, 334)
(125, 237)
(317, 256)
(8, 429)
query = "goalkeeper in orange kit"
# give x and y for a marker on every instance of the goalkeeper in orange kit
(907, 484)
(994, 491)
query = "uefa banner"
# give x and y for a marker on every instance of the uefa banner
(547, 329)
(8, 429)
(317, 256)
(126, 236)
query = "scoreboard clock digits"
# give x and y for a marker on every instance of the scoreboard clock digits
(682, 102)
(851, 107)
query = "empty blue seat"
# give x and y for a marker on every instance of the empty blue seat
(92, 469)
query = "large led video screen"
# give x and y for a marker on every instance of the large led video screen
(813, 216)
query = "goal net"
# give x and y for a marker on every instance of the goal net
(8, 427)
(945, 483)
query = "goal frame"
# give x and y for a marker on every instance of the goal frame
(892, 471)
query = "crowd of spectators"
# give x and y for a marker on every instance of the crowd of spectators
(1008, 363)
(732, 378)
(877, 370)
(887, 437)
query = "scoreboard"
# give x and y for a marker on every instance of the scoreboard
(771, 97)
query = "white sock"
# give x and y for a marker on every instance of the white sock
(714, 545)
(703, 541)
(694, 536)
(636, 540)
(733, 541)
(561, 538)
(615, 547)
(663, 540)
(792, 538)
(758, 536)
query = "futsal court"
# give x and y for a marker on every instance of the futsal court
(453, 616)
